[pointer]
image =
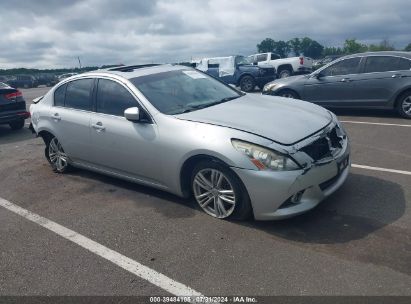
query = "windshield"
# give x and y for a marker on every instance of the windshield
(180, 91)
(243, 60)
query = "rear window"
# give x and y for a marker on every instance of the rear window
(275, 57)
(78, 94)
(404, 64)
(381, 64)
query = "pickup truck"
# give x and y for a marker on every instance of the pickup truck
(238, 71)
(285, 66)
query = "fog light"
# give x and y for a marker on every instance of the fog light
(296, 198)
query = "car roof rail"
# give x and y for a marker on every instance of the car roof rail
(131, 68)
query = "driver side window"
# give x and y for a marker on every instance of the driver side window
(113, 98)
(343, 67)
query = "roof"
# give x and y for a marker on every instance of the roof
(133, 71)
(382, 53)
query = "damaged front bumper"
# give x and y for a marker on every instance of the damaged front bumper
(282, 194)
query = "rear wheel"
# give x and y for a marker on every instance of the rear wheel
(219, 192)
(17, 125)
(284, 73)
(56, 156)
(404, 105)
(247, 84)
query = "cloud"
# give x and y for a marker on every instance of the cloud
(47, 33)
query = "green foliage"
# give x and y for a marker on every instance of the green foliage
(384, 45)
(332, 51)
(313, 49)
(20, 71)
(310, 48)
(269, 45)
(351, 46)
(306, 46)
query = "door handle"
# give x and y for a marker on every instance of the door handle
(98, 126)
(396, 76)
(346, 80)
(56, 116)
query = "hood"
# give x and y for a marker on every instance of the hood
(283, 120)
(291, 79)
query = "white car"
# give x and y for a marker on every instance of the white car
(285, 67)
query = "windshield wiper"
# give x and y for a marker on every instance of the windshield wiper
(206, 105)
(202, 106)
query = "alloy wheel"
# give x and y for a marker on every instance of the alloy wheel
(57, 156)
(406, 105)
(214, 193)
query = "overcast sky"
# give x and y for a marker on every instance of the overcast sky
(48, 33)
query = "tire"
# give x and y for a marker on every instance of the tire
(247, 83)
(17, 125)
(56, 156)
(284, 73)
(288, 94)
(209, 194)
(404, 105)
(26, 86)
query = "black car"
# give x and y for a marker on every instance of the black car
(23, 81)
(380, 80)
(12, 107)
(48, 80)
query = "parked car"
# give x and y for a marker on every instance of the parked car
(23, 81)
(48, 80)
(237, 70)
(12, 107)
(326, 60)
(180, 130)
(368, 80)
(66, 75)
(285, 67)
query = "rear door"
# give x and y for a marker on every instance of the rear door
(382, 78)
(335, 84)
(70, 117)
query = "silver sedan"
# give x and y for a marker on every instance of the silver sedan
(177, 129)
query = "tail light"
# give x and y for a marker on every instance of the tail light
(13, 95)
(301, 60)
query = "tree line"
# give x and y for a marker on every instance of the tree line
(314, 49)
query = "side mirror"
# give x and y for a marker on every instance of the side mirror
(132, 114)
(318, 75)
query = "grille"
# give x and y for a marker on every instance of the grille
(323, 146)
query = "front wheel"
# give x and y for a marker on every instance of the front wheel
(247, 84)
(56, 156)
(17, 125)
(404, 105)
(219, 192)
(288, 94)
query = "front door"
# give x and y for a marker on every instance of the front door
(333, 85)
(119, 145)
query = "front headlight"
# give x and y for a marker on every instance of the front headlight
(263, 158)
(269, 87)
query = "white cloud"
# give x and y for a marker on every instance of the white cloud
(47, 33)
